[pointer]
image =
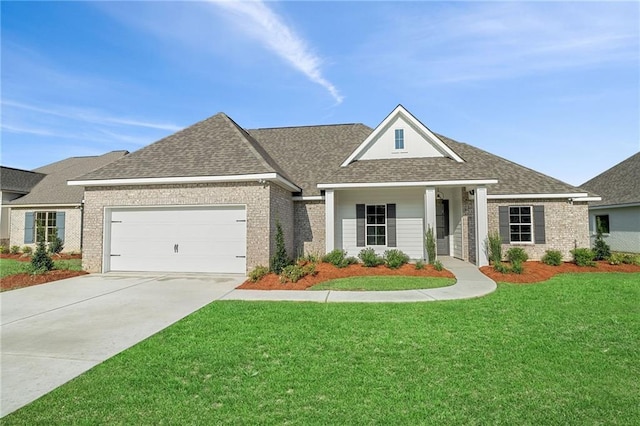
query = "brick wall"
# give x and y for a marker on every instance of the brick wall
(281, 210)
(72, 227)
(566, 226)
(255, 196)
(309, 223)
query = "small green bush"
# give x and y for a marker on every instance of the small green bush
(395, 258)
(258, 273)
(601, 250)
(517, 254)
(56, 245)
(351, 260)
(583, 257)
(309, 257)
(14, 250)
(370, 258)
(27, 250)
(419, 265)
(501, 267)
(437, 265)
(626, 258)
(494, 247)
(40, 261)
(430, 245)
(337, 257)
(292, 273)
(552, 257)
(279, 260)
(4, 250)
(310, 269)
(516, 267)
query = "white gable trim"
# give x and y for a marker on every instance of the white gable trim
(260, 177)
(582, 196)
(401, 111)
(400, 184)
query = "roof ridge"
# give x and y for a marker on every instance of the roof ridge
(306, 126)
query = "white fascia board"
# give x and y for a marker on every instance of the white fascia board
(41, 206)
(613, 206)
(587, 199)
(273, 177)
(400, 110)
(399, 184)
(309, 198)
(575, 196)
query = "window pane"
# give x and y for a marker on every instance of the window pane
(371, 209)
(371, 219)
(381, 240)
(514, 219)
(526, 219)
(371, 241)
(380, 209)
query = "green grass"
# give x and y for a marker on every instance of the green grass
(12, 267)
(383, 283)
(561, 352)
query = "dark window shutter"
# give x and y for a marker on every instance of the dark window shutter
(391, 225)
(60, 225)
(503, 217)
(360, 225)
(28, 228)
(538, 224)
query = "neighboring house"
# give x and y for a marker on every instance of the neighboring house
(53, 206)
(618, 212)
(208, 197)
(14, 183)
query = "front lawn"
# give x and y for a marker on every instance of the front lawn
(12, 267)
(16, 274)
(561, 352)
(385, 283)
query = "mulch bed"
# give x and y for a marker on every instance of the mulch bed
(327, 271)
(13, 282)
(535, 272)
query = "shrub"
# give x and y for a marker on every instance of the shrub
(494, 246)
(337, 257)
(437, 265)
(419, 265)
(14, 250)
(40, 261)
(395, 258)
(501, 267)
(279, 260)
(4, 250)
(56, 245)
(351, 260)
(27, 250)
(552, 257)
(516, 267)
(258, 273)
(310, 257)
(601, 249)
(291, 273)
(310, 269)
(517, 254)
(430, 245)
(626, 258)
(583, 257)
(370, 258)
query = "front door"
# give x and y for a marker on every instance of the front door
(442, 227)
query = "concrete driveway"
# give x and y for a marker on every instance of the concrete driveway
(54, 332)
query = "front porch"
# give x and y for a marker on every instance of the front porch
(387, 216)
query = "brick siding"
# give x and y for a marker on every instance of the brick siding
(72, 226)
(309, 221)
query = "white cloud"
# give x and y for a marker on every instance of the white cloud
(257, 20)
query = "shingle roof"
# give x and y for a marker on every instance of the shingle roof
(618, 185)
(53, 188)
(216, 146)
(17, 180)
(309, 155)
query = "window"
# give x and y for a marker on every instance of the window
(377, 225)
(45, 228)
(602, 223)
(399, 139)
(520, 224)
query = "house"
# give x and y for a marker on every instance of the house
(14, 183)
(208, 197)
(48, 203)
(618, 212)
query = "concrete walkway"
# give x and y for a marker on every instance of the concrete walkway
(470, 283)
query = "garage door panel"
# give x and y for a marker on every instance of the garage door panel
(211, 239)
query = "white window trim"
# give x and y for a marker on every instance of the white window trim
(524, 243)
(366, 226)
(395, 140)
(46, 226)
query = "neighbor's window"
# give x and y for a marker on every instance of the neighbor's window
(520, 224)
(377, 225)
(399, 139)
(602, 223)
(45, 228)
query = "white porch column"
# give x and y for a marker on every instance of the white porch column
(482, 225)
(429, 212)
(329, 220)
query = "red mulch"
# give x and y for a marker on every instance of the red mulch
(537, 271)
(327, 271)
(13, 282)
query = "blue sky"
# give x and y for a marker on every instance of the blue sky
(554, 86)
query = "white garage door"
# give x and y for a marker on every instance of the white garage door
(181, 239)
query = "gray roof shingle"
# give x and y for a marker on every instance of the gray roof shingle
(618, 185)
(18, 180)
(53, 188)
